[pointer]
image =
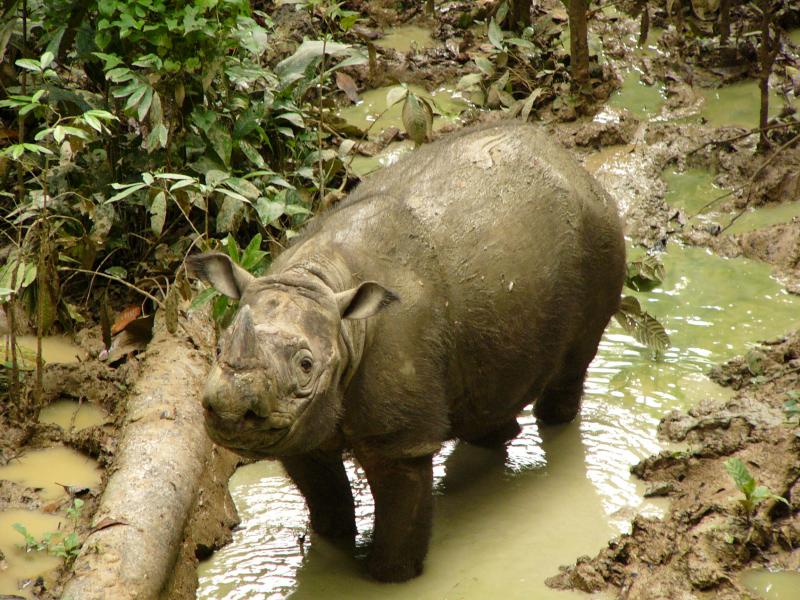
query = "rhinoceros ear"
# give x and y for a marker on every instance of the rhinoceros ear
(221, 272)
(364, 301)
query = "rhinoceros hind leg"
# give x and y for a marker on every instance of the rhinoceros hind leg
(560, 401)
(499, 436)
(322, 480)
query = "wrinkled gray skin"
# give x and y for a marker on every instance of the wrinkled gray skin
(446, 293)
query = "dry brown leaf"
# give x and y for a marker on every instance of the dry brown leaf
(345, 83)
(125, 317)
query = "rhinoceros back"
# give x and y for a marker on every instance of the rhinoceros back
(516, 248)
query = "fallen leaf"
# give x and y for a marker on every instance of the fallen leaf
(106, 523)
(125, 316)
(345, 83)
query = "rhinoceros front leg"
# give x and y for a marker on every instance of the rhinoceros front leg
(321, 478)
(402, 490)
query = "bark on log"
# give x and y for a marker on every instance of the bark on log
(155, 476)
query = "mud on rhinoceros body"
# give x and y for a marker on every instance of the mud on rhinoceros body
(442, 296)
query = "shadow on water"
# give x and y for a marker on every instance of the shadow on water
(492, 529)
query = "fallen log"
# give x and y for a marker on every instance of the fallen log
(163, 458)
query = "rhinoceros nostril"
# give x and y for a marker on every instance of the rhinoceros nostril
(251, 417)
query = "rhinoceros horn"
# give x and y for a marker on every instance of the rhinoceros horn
(244, 346)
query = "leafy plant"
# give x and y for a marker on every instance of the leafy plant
(753, 494)
(643, 275)
(57, 543)
(792, 406)
(252, 259)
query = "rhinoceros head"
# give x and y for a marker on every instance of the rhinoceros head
(276, 387)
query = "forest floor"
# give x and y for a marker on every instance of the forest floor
(707, 538)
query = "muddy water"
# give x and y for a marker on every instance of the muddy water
(407, 37)
(691, 190)
(55, 349)
(50, 469)
(24, 566)
(737, 105)
(505, 523)
(781, 585)
(372, 109)
(372, 113)
(71, 415)
(642, 100)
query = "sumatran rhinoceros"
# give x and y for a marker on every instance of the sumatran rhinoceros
(443, 295)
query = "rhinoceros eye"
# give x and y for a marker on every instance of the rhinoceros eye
(305, 365)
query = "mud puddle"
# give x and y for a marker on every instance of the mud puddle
(55, 349)
(565, 489)
(50, 469)
(781, 585)
(373, 113)
(73, 416)
(737, 105)
(21, 568)
(694, 192)
(407, 37)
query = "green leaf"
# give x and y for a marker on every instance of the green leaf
(243, 187)
(221, 142)
(485, 65)
(294, 67)
(740, 475)
(269, 211)
(251, 153)
(231, 212)
(144, 104)
(158, 212)
(127, 190)
(203, 298)
(29, 64)
(233, 249)
(117, 272)
(495, 35)
(46, 59)
(469, 81)
(214, 177)
(157, 138)
(294, 118)
(395, 94)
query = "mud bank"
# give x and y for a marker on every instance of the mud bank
(708, 538)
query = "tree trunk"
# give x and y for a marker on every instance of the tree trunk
(163, 458)
(578, 42)
(724, 22)
(644, 27)
(767, 51)
(519, 15)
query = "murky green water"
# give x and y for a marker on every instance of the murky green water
(406, 37)
(781, 585)
(737, 105)
(505, 523)
(642, 100)
(372, 109)
(691, 190)
(372, 113)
